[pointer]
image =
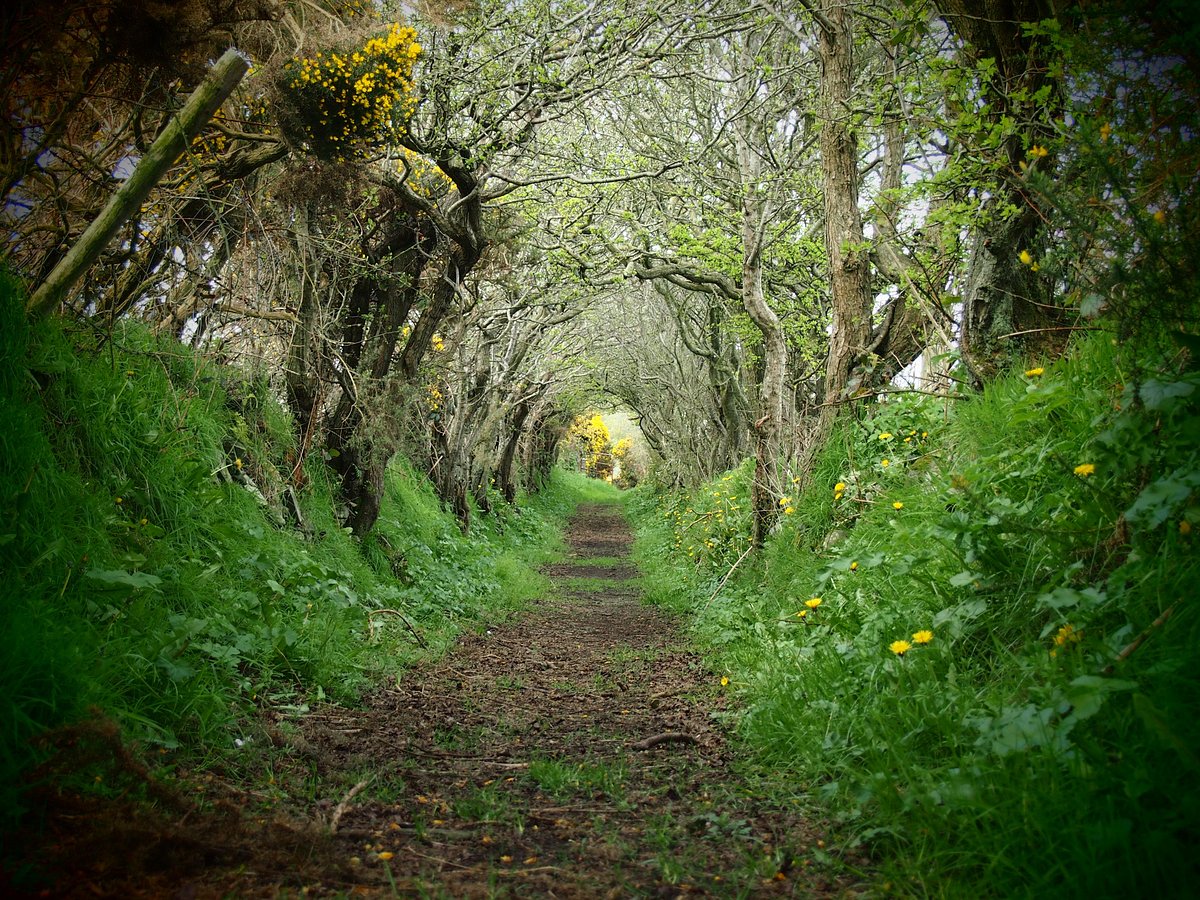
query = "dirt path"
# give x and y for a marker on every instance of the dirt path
(574, 752)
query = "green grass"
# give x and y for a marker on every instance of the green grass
(564, 780)
(142, 576)
(1004, 757)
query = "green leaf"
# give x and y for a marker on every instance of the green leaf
(1066, 598)
(1161, 395)
(1087, 692)
(119, 578)
(1160, 499)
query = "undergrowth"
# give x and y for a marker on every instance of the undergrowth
(974, 635)
(155, 567)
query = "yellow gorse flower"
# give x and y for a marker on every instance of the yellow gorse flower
(346, 103)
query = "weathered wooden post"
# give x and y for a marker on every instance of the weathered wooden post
(171, 143)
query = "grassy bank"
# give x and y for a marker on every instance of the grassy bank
(973, 634)
(167, 562)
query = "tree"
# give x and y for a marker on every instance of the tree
(1008, 106)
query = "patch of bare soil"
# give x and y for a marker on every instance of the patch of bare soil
(577, 751)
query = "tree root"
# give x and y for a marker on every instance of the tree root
(668, 737)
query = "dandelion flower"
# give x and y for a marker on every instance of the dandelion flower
(724, 681)
(1085, 469)
(788, 510)
(839, 487)
(897, 505)
(899, 647)
(813, 603)
(802, 614)
(1160, 216)
(1033, 373)
(1066, 635)
(886, 436)
(884, 463)
(784, 501)
(853, 566)
(924, 636)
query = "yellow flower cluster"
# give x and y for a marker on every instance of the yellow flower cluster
(924, 636)
(590, 436)
(346, 102)
(1064, 637)
(423, 177)
(902, 446)
(435, 397)
(710, 528)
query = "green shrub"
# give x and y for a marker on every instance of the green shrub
(996, 688)
(150, 569)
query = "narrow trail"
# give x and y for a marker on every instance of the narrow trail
(577, 751)
(572, 753)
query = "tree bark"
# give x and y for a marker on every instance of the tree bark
(849, 268)
(1007, 308)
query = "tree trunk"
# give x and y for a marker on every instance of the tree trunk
(1007, 305)
(770, 422)
(506, 471)
(849, 269)
(302, 371)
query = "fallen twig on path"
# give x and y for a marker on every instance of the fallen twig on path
(340, 809)
(668, 737)
(436, 859)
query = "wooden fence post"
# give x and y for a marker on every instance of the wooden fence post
(171, 143)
